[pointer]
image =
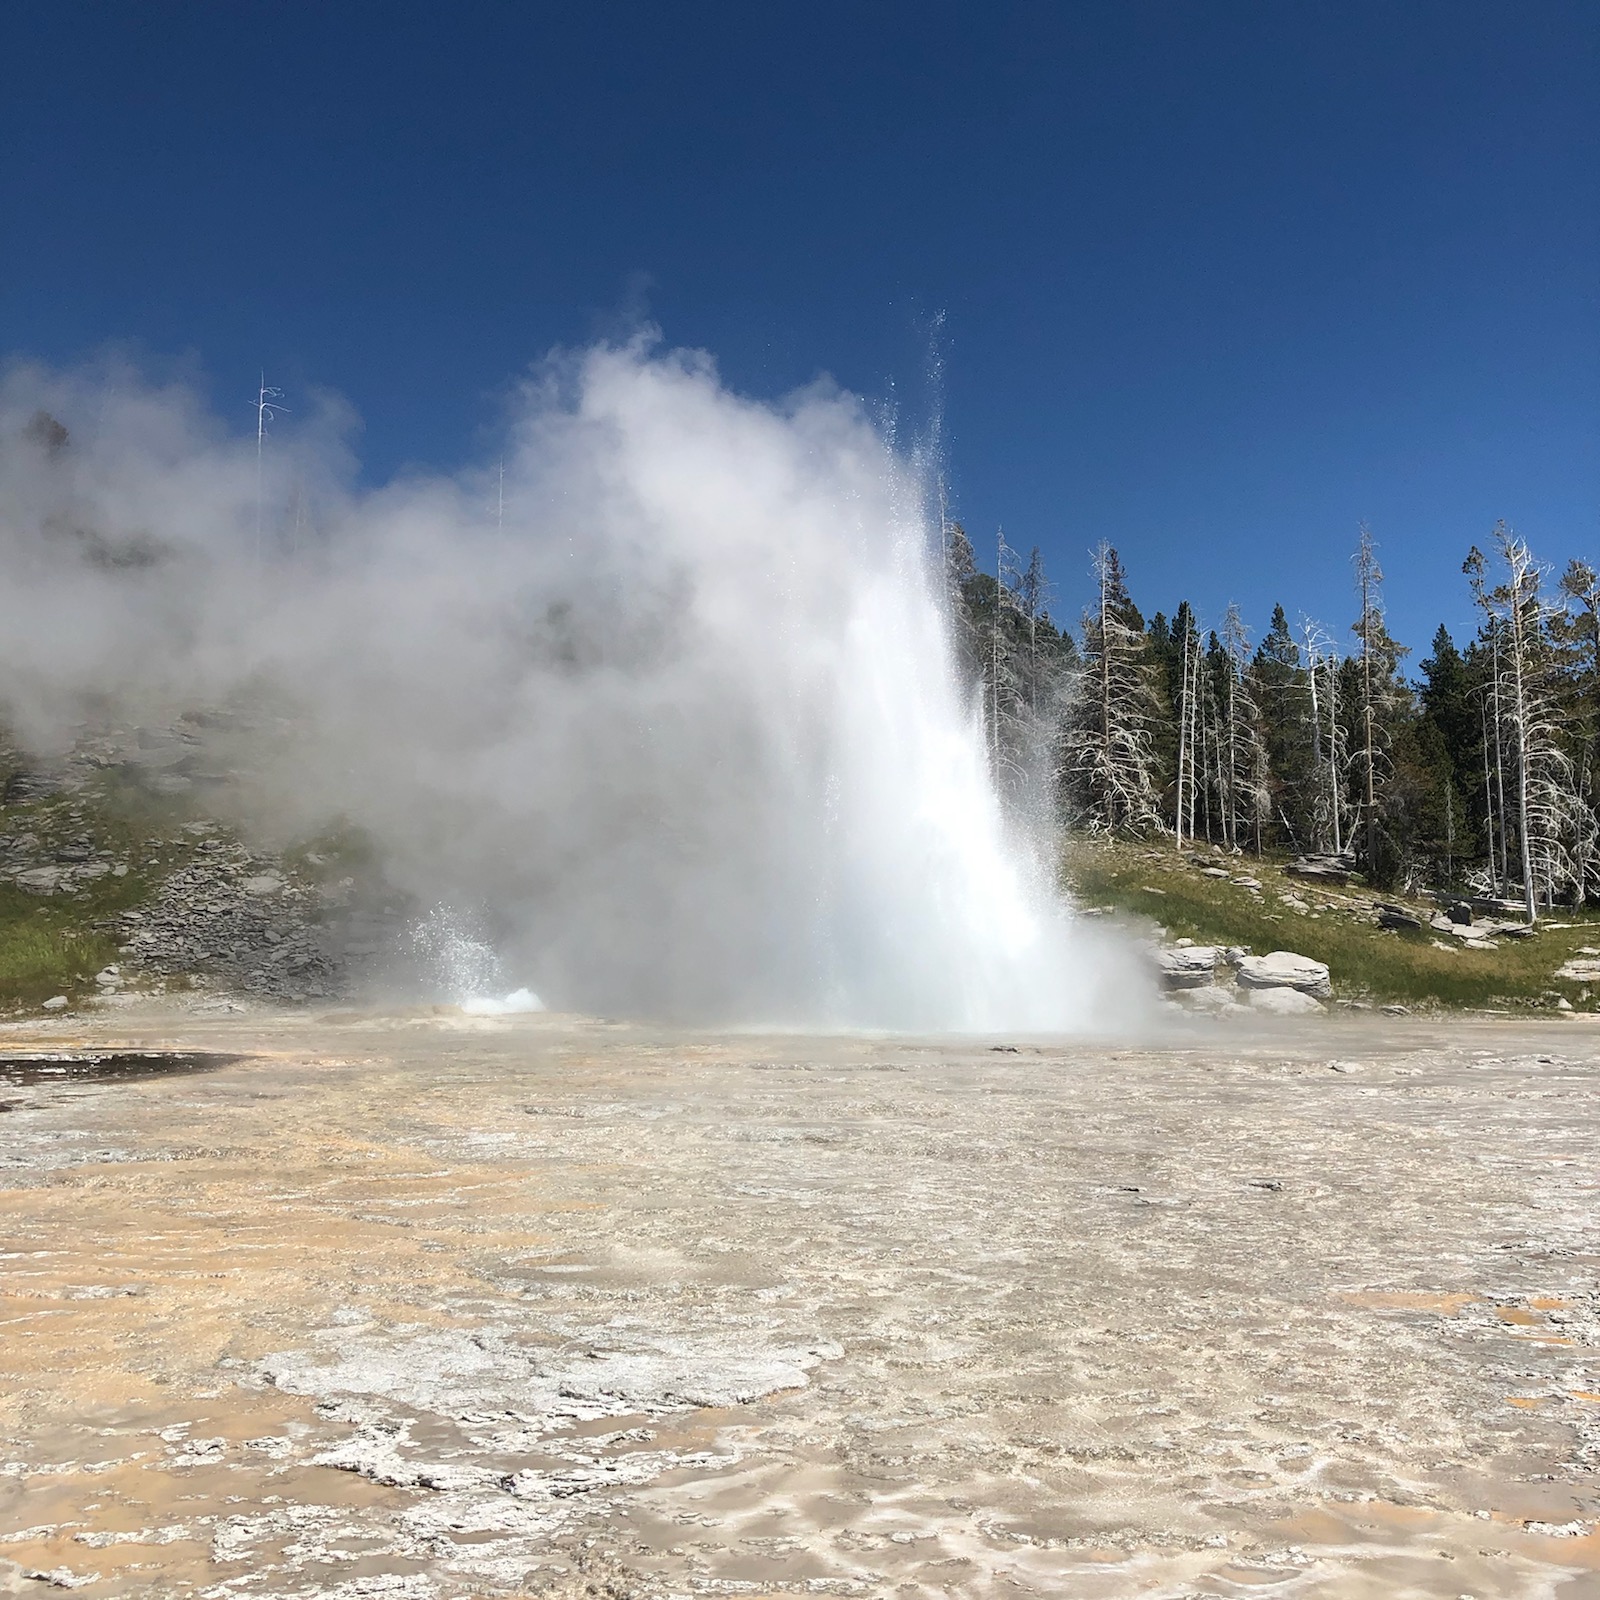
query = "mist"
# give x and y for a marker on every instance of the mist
(663, 700)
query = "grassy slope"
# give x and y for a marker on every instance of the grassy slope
(53, 944)
(1364, 960)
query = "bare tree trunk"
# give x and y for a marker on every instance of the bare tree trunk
(1183, 735)
(1334, 795)
(1488, 793)
(1519, 722)
(1499, 756)
(1368, 573)
(1105, 696)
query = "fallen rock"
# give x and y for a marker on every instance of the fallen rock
(1211, 999)
(40, 880)
(56, 1002)
(1283, 969)
(266, 883)
(1193, 967)
(1283, 1002)
(1397, 917)
(1580, 970)
(1321, 871)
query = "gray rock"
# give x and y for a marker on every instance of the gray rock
(40, 880)
(1193, 967)
(1283, 1002)
(1329, 871)
(57, 1002)
(1283, 969)
(266, 883)
(1397, 917)
(1211, 999)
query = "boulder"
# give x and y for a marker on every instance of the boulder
(267, 883)
(1320, 871)
(1283, 969)
(1211, 999)
(57, 1002)
(1193, 967)
(1283, 1002)
(40, 880)
(1397, 917)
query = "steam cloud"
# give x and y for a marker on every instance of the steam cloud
(684, 722)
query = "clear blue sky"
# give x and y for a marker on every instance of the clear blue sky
(1219, 279)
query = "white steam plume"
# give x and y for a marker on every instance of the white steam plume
(686, 723)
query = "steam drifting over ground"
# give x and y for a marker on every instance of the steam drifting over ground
(681, 725)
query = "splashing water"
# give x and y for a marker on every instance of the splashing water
(679, 711)
(459, 963)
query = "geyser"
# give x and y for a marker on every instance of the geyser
(671, 705)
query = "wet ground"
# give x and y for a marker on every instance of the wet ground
(434, 1306)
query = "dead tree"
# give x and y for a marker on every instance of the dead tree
(1110, 757)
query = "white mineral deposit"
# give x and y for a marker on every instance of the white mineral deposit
(430, 1305)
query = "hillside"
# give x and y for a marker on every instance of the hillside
(114, 874)
(1212, 898)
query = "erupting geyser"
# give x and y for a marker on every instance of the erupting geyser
(675, 706)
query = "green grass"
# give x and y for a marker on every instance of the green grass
(43, 955)
(54, 944)
(1364, 960)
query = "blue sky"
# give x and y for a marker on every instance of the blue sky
(1218, 280)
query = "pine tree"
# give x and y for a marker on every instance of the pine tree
(1282, 690)
(1447, 745)
(1380, 701)
(1577, 631)
(960, 574)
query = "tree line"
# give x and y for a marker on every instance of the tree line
(1477, 774)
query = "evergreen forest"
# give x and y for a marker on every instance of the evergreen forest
(1473, 771)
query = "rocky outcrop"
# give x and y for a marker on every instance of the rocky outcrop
(212, 919)
(1335, 870)
(1188, 967)
(1283, 969)
(1283, 1002)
